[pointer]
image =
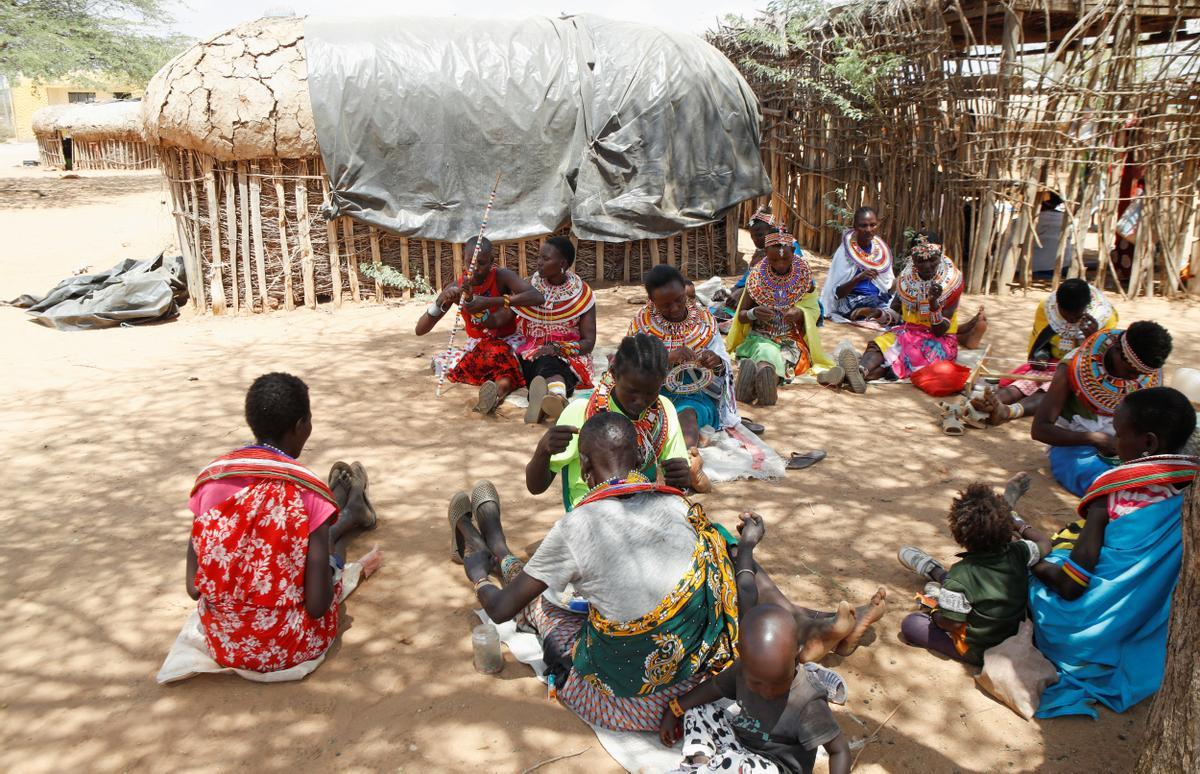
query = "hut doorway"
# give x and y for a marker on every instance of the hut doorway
(66, 151)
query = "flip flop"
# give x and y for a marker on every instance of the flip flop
(747, 376)
(553, 406)
(753, 427)
(358, 471)
(848, 360)
(489, 398)
(460, 508)
(766, 385)
(537, 394)
(832, 377)
(802, 460)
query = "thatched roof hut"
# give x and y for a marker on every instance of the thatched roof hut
(234, 124)
(105, 135)
(985, 108)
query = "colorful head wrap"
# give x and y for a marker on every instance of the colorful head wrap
(925, 249)
(762, 216)
(779, 237)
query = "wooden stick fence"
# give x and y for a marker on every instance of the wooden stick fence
(253, 239)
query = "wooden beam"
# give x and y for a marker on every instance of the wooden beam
(216, 283)
(377, 261)
(244, 230)
(289, 296)
(303, 227)
(256, 234)
(351, 258)
(331, 236)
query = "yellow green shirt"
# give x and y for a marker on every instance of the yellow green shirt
(566, 462)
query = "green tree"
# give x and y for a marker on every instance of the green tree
(49, 38)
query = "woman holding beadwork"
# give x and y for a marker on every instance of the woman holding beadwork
(923, 319)
(556, 356)
(860, 272)
(1075, 418)
(700, 383)
(774, 333)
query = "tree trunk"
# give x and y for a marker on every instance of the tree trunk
(1172, 741)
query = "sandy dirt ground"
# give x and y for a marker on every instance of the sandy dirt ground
(102, 432)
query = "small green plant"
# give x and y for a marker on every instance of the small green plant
(386, 275)
(838, 204)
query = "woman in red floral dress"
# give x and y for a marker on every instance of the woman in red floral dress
(268, 539)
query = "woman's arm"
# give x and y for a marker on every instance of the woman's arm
(587, 331)
(503, 604)
(192, 566)
(538, 476)
(521, 293)
(1050, 409)
(669, 730)
(318, 575)
(1085, 555)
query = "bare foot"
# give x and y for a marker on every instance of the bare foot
(843, 624)
(864, 617)
(1016, 487)
(975, 329)
(371, 561)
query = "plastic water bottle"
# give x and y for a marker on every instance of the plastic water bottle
(485, 641)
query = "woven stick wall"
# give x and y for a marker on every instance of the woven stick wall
(112, 153)
(995, 104)
(254, 239)
(50, 150)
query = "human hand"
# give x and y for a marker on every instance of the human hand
(765, 313)
(546, 350)
(681, 355)
(477, 565)
(449, 295)
(793, 316)
(1088, 325)
(1104, 443)
(670, 728)
(935, 296)
(867, 274)
(677, 473)
(751, 529)
(482, 303)
(557, 439)
(710, 360)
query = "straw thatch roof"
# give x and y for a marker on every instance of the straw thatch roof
(108, 120)
(238, 96)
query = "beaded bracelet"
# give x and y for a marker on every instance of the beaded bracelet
(676, 710)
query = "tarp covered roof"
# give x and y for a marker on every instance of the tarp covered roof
(629, 131)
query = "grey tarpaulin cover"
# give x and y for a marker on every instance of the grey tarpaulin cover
(629, 131)
(130, 292)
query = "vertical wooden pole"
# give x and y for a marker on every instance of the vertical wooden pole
(654, 251)
(351, 258)
(671, 251)
(437, 265)
(304, 235)
(731, 242)
(256, 233)
(231, 235)
(335, 260)
(377, 261)
(683, 251)
(193, 187)
(628, 260)
(173, 168)
(289, 296)
(429, 278)
(244, 230)
(216, 284)
(599, 261)
(404, 263)
(521, 261)
(457, 251)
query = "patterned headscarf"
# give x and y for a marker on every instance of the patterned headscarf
(779, 237)
(762, 216)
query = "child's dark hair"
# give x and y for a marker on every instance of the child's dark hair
(1073, 296)
(863, 212)
(274, 404)
(641, 352)
(611, 432)
(1164, 411)
(1150, 342)
(979, 519)
(564, 247)
(660, 276)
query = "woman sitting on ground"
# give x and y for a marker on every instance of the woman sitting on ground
(860, 272)
(663, 590)
(1101, 598)
(269, 538)
(690, 335)
(774, 333)
(559, 335)
(1063, 320)
(1075, 418)
(631, 387)
(488, 359)
(923, 320)
(761, 224)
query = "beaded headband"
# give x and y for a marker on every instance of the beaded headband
(925, 249)
(763, 216)
(779, 237)
(1132, 358)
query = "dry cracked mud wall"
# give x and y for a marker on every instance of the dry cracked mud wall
(239, 96)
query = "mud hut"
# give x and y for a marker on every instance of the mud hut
(984, 110)
(263, 224)
(104, 136)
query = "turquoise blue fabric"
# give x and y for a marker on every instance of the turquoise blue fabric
(1076, 467)
(707, 409)
(1110, 645)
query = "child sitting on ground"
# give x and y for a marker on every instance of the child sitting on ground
(784, 713)
(982, 599)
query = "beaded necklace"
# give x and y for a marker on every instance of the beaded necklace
(780, 291)
(1091, 381)
(695, 331)
(651, 425)
(878, 258)
(618, 486)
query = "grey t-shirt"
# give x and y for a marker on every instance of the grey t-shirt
(623, 555)
(788, 730)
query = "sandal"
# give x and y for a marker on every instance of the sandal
(460, 508)
(553, 406)
(537, 394)
(766, 385)
(848, 360)
(489, 398)
(832, 377)
(951, 424)
(829, 681)
(753, 427)
(484, 491)
(973, 417)
(747, 376)
(359, 472)
(802, 460)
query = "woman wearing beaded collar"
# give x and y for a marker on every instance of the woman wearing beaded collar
(690, 335)
(1076, 417)
(556, 356)
(860, 272)
(774, 333)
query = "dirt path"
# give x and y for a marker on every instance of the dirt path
(102, 433)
